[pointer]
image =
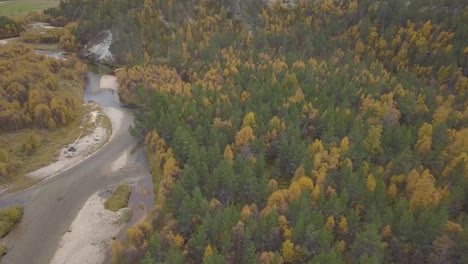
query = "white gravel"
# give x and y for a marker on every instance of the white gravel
(5, 41)
(109, 82)
(41, 25)
(90, 234)
(83, 148)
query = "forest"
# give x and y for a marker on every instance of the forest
(303, 132)
(35, 94)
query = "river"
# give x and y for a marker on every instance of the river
(52, 205)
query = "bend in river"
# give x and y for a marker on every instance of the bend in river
(51, 206)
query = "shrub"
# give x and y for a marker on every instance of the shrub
(118, 199)
(42, 36)
(8, 217)
(32, 144)
(3, 249)
(9, 28)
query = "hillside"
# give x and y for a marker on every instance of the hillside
(316, 132)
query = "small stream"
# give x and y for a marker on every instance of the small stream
(53, 54)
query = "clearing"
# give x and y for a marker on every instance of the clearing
(21, 8)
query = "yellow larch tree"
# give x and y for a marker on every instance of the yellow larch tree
(228, 154)
(343, 225)
(249, 120)
(306, 183)
(330, 224)
(244, 136)
(423, 190)
(342, 246)
(315, 193)
(424, 141)
(208, 252)
(392, 190)
(371, 182)
(372, 142)
(344, 146)
(294, 191)
(287, 251)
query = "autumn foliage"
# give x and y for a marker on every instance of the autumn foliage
(28, 90)
(316, 132)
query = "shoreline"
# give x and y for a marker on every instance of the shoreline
(84, 236)
(83, 148)
(91, 233)
(89, 145)
(68, 159)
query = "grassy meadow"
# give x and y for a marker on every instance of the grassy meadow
(20, 8)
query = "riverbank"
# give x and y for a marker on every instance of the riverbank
(91, 233)
(65, 220)
(96, 131)
(30, 139)
(53, 205)
(6, 41)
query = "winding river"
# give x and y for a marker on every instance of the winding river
(52, 205)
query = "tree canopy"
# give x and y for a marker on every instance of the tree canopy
(313, 132)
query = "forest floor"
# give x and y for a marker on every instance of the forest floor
(23, 7)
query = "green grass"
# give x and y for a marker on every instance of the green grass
(125, 217)
(37, 46)
(119, 199)
(3, 249)
(21, 8)
(8, 217)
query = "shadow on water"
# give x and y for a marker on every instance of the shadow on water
(94, 93)
(141, 201)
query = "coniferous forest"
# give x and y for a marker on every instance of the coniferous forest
(294, 132)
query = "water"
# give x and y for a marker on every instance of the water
(59, 55)
(52, 205)
(103, 97)
(94, 80)
(39, 25)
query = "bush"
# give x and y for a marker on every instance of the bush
(119, 198)
(8, 217)
(32, 144)
(42, 36)
(3, 249)
(9, 28)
